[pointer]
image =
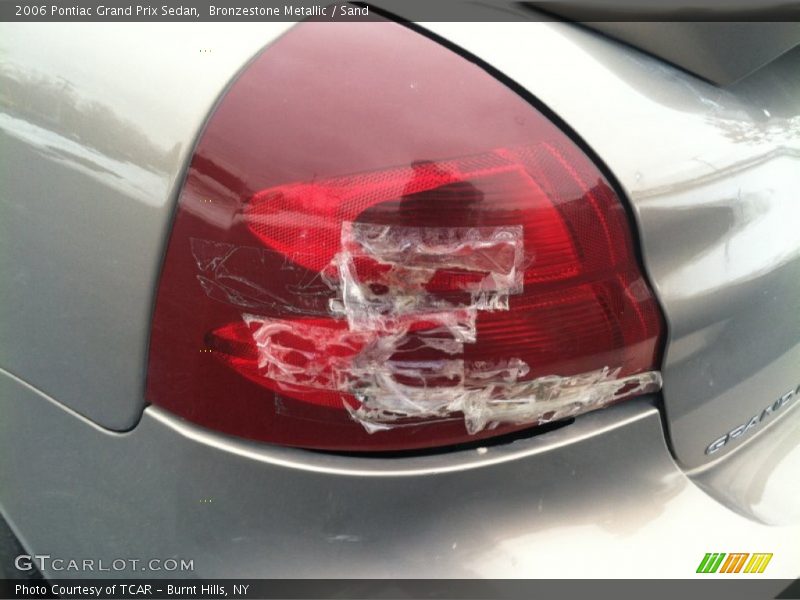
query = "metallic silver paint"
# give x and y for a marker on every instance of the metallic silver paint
(763, 417)
(601, 498)
(760, 479)
(96, 124)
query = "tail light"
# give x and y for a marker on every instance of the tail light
(379, 246)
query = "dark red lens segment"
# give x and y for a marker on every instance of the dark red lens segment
(463, 196)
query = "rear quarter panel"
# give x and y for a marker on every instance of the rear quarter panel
(96, 126)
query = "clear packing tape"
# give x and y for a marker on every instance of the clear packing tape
(384, 282)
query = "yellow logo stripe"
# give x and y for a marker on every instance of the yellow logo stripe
(758, 563)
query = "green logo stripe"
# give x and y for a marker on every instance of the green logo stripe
(717, 563)
(701, 568)
(710, 563)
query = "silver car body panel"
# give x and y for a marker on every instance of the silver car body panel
(591, 500)
(712, 177)
(96, 127)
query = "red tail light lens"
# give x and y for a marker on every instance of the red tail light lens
(379, 246)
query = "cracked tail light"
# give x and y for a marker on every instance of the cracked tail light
(379, 246)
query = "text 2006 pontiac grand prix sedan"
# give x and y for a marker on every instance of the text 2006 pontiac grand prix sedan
(383, 299)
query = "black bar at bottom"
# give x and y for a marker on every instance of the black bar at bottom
(390, 589)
